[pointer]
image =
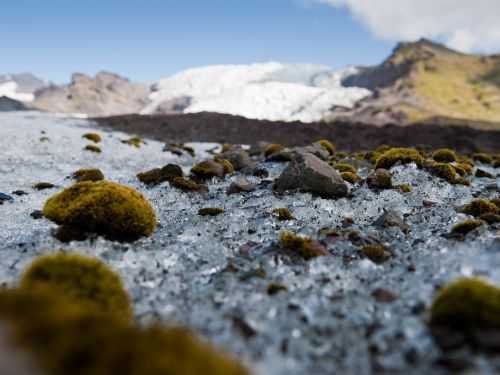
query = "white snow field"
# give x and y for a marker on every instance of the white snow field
(267, 91)
(10, 90)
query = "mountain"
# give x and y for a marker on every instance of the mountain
(8, 104)
(268, 91)
(424, 81)
(20, 87)
(105, 94)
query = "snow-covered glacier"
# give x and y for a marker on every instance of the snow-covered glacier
(266, 91)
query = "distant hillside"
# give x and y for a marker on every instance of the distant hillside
(425, 81)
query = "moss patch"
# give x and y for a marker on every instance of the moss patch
(115, 211)
(482, 158)
(188, 185)
(350, 177)
(306, 247)
(210, 211)
(134, 141)
(444, 155)
(327, 145)
(83, 280)
(283, 214)
(158, 175)
(43, 186)
(480, 207)
(466, 226)
(94, 137)
(401, 155)
(376, 253)
(271, 149)
(93, 148)
(444, 170)
(344, 167)
(88, 174)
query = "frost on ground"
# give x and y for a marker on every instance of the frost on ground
(340, 314)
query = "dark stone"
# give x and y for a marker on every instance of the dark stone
(391, 219)
(310, 174)
(37, 214)
(5, 197)
(240, 186)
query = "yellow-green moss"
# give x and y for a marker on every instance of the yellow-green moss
(93, 148)
(327, 145)
(304, 246)
(482, 158)
(444, 155)
(44, 139)
(350, 177)
(479, 207)
(402, 155)
(372, 156)
(490, 218)
(115, 211)
(275, 288)
(94, 137)
(467, 304)
(188, 185)
(460, 170)
(467, 167)
(444, 170)
(466, 226)
(341, 155)
(228, 166)
(210, 211)
(134, 141)
(344, 167)
(65, 338)
(273, 148)
(376, 253)
(404, 188)
(208, 169)
(158, 175)
(380, 179)
(88, 174)
(83, 280)
(496, 202)
(283, 214)
(383, 148)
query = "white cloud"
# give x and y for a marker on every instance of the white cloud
(463, 24)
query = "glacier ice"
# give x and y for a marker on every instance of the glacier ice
(267, 91)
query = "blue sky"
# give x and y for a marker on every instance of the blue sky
(148, 39)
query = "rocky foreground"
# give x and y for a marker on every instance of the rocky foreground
(295, 260)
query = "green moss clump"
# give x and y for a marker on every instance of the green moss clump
(404, 188)
(283, 214)
(350, 177)
(115, 211)
(271, 149)
(444, 155)
(483, 174)
(480, 207)
(93, 148)
(134, 141)
(210, 211)
(83, 280)
(496, 202)
(466, 305)
(65, 338)
(490, 218)
(158, 175)
(94, 137)
(444, 171)
(482, 158)
(344, 167)
(402, 155)
(90, 174)
(185, 184)
(44, 139)
(383, 148)
(306, 247)
(466, 226)
(327, 145)
(275, 288)
(226, 164)
(208, 169)
(43, 186)
(380, 179)
(460, 170)
(376, 253)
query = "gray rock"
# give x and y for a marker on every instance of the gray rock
(391, 219)
(308, 173)
(240, 186)
(4, 197)
(380, 179)
(240, 160)
(315, 149)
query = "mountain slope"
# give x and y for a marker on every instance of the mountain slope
(270, 91)
(103, 95)
(20, 87)
(422, 81)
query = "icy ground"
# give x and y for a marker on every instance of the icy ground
(192, 270)
(269, 91)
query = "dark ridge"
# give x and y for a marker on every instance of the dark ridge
(7, 104)
(214, 127)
